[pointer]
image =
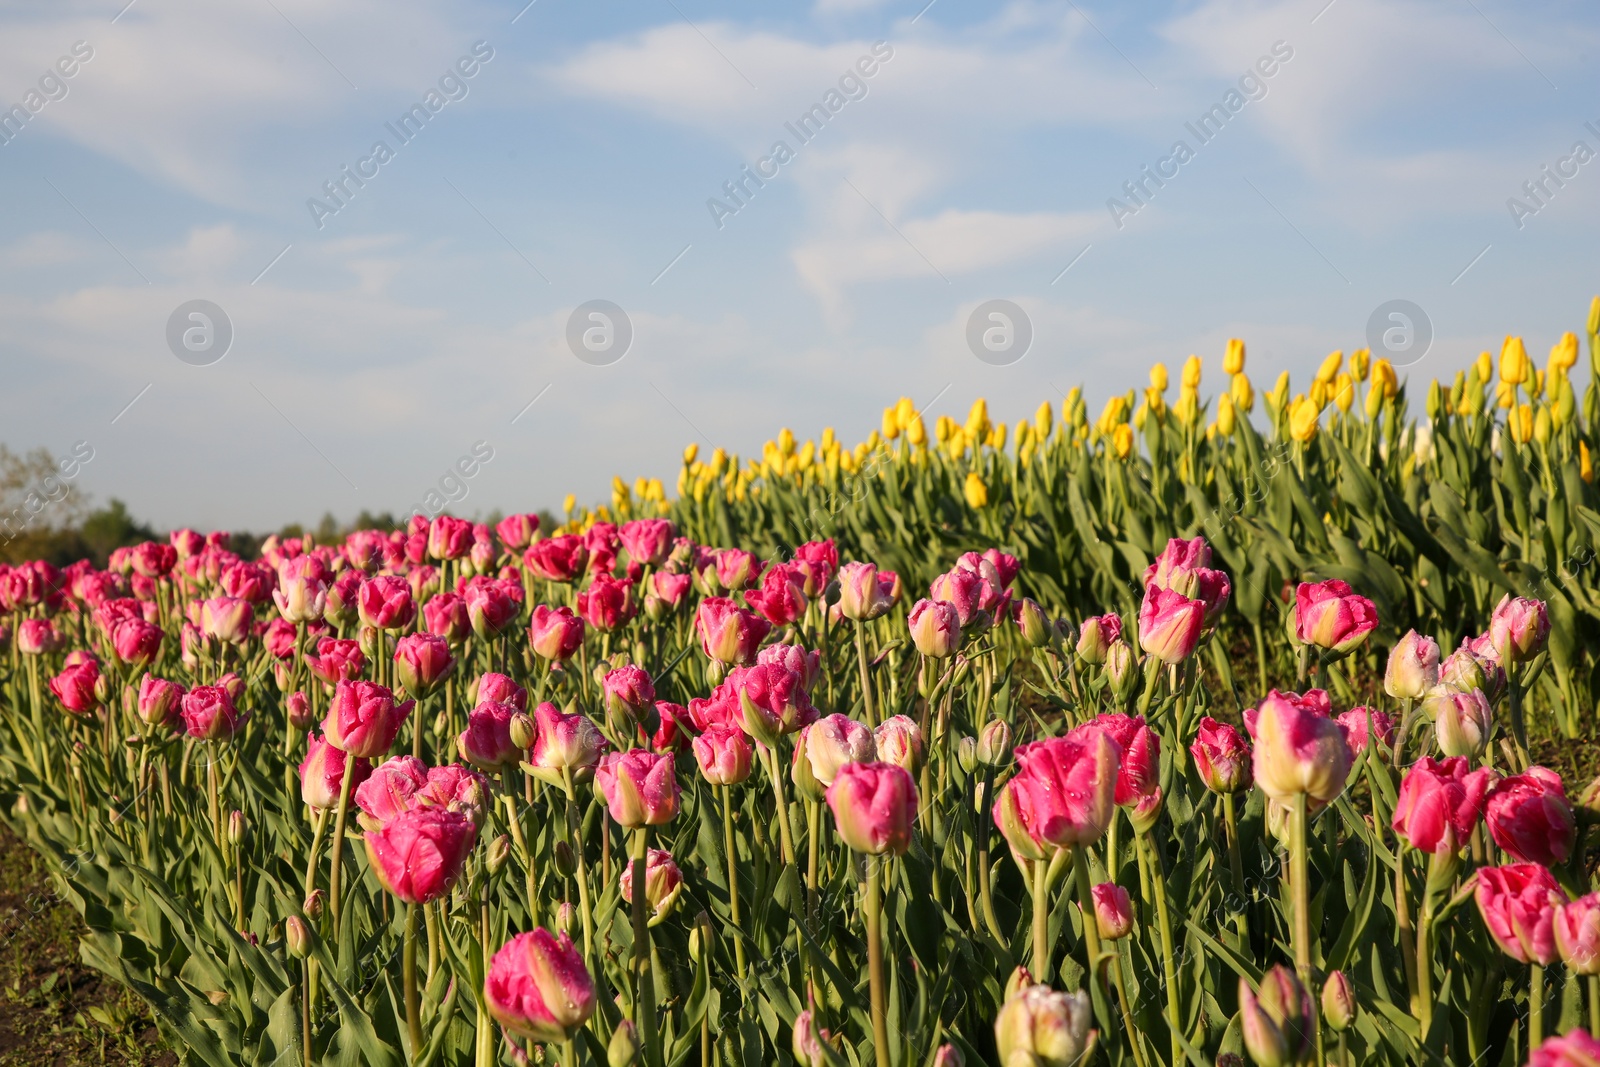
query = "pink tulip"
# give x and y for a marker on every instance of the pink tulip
(1518, 903)
(1468, 668)
(1518, 629)
(78, 687)
(499, 689)
(639, 786)
(1063, 794)
(449, 537)
(724, 754)
(1221, 757)
(729, 634)
(1179, 555)
(363, 550)
(736, 569)
(154, 559)
(385, 602)
(281, 639)
(1298, 751)
(209, 713)
(159, 701)
(1006, 566)
(538, 987)
(602, 542)
(1529, 816)
(781, 598)
(964, 591)
(186, 542)
(555, 633)
(865, 593)
(1096, 635)
(226, 619)
(1170, 624)
(1356, 733)
(136, 642)
(516, 531)
(1330, 615)
(935, 628)
(446, 614)
(807, 664)
(486, 742)
(1139, 772)
(834, 741)
(648, 541)
(343, 594)
(363, 719)
(249, 581)
(628, 692)
(1277, 1021)
(389, 789)
(1577, 933)
(817, 561)
(874, 807)
(422, 661)
(565, 743)
(1413, 667)
(1113, 911)
(1575, 1049)
(299, 710)
(322, 773)
(419, 854)
(557, 559)
(607, 603)
(668, 588)
(301, 596)
(337, 660)
(899, 741)
(37, 636)
(663, 884)
(771, 699)
(492, 608)
(1440, 803)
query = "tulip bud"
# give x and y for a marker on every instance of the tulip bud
(1096, 636)
(949, 1056)
(499, 853)
(1338, 1001)
(299, 709)
(236, 828)
(899, 741)
(1113, 911)
(809, 1044)
(1587, 804)
(1033, 623)
(297, 937)
(994, 743)
(624, 1048)
(1041, 1027)
(566, 860)
(1230, 1059)
(1461, 721)
(1019, 979)
(367, 640)
(1147, 812)
(1413, 667)
(1121, 672)
(312, 907)
(523, 732)
(566, 916)
(967, 754)
(1277, 1024)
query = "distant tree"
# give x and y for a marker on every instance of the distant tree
(111, 527)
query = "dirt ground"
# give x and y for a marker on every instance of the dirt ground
(54, 1010)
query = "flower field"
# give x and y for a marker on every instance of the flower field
(1204, 730)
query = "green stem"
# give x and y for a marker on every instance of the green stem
(408, 966)
(1041, 920)
(1230, 825)
(644, 1010)
(318, 822)
(1169, 974)
(1594, 1004)
(1127, 1016)
(574, 830)
(880, 1026)
(335, 879)
(866, 674)
(731, 848)
(1536, 1008)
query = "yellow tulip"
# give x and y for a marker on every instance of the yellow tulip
(978, 419)
(719, 461)
(1484, 366)
(1233, 357)
(1191, 373)
(1520, 422)
(1122, 440)
(1319, 393)
(1140, 415)
(569, 503)
(1073, 409)
(1360, 363)
(1513, 361)
(916, 432)
(1384, 379)
(829, 441)
(1541, 425)
(1188, 406)
(1374, 401)
(1303, 419)
(1537, 389)
(808, 452)
(1243, 393)
(1225, 415)
(1505, 395)
(1585, 461)
(1044, 419)
(1158, 377)
(891, 428)
(976, 492)
(1330, 367)
(689, 453)
(1280, 391)
(904, 412)
(1565, 353)
(1594, 316)
(786, 441)
(1344, 391)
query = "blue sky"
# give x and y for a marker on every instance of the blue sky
(577, 162)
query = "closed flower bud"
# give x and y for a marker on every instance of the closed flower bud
(874, 807)
(312, 906)
(1277, 1022)
(624, 1048)
(1033, 623)
(663, 884)
(566, 915)
(1113, 911)
(236, 827)
(1039, 1027)
(297, 937)
(523, 731)
(1413, 667)
(935, 628)
(994, 743)
(1461, 721)
(1222, 757)
(899, 741)
(1121, 672)
(1338, 1001)
(967, 754)
(566, 859)
(1577, 930)
(1096, 636)
(949, 1056)
(499, 852)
